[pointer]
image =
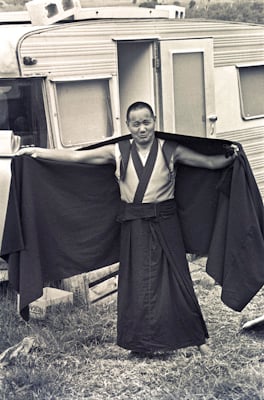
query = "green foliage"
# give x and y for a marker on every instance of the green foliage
(148, 4)
(192, 4)
(246, 11)
(16, 3)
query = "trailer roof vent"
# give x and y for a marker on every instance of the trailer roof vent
(46, 12)
(174, 11)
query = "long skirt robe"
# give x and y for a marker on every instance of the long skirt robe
(157, 307)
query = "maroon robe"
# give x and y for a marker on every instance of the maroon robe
(157, 306)
(61, 221)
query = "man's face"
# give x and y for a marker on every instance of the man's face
(141, 124)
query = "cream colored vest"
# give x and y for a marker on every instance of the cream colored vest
(161, 184)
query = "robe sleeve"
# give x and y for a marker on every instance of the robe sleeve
(236, 253)
(222, 217)
(61, 221)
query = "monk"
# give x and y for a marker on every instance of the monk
(157, 307)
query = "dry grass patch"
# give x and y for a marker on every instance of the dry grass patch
(75, 356)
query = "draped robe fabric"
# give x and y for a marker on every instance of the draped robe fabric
(157, 307)
(62, 220)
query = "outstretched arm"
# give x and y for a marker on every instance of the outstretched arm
(101, 155)
(186, 156)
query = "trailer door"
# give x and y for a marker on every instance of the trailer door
(136, 75)
(188, 86)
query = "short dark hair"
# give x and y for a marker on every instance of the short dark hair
(138, 105)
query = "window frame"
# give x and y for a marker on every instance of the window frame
(30, 98)
(242, 95)
(54, 104)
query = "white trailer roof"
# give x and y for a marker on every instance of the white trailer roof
(16, 26)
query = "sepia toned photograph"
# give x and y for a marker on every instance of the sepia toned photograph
(131, 200)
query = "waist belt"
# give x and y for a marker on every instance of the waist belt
(132, 211)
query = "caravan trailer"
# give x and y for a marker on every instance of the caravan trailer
(67, 84)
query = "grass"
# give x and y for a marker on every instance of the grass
(75, 356)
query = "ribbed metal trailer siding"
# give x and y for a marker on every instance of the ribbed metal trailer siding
(71, 51)
(90, 47)
(90, 50)
(253, 144)
(238, 48)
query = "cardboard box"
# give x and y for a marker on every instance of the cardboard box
(51, 297)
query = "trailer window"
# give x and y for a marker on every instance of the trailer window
(251, 83)
(22, 110)
(84, 111)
